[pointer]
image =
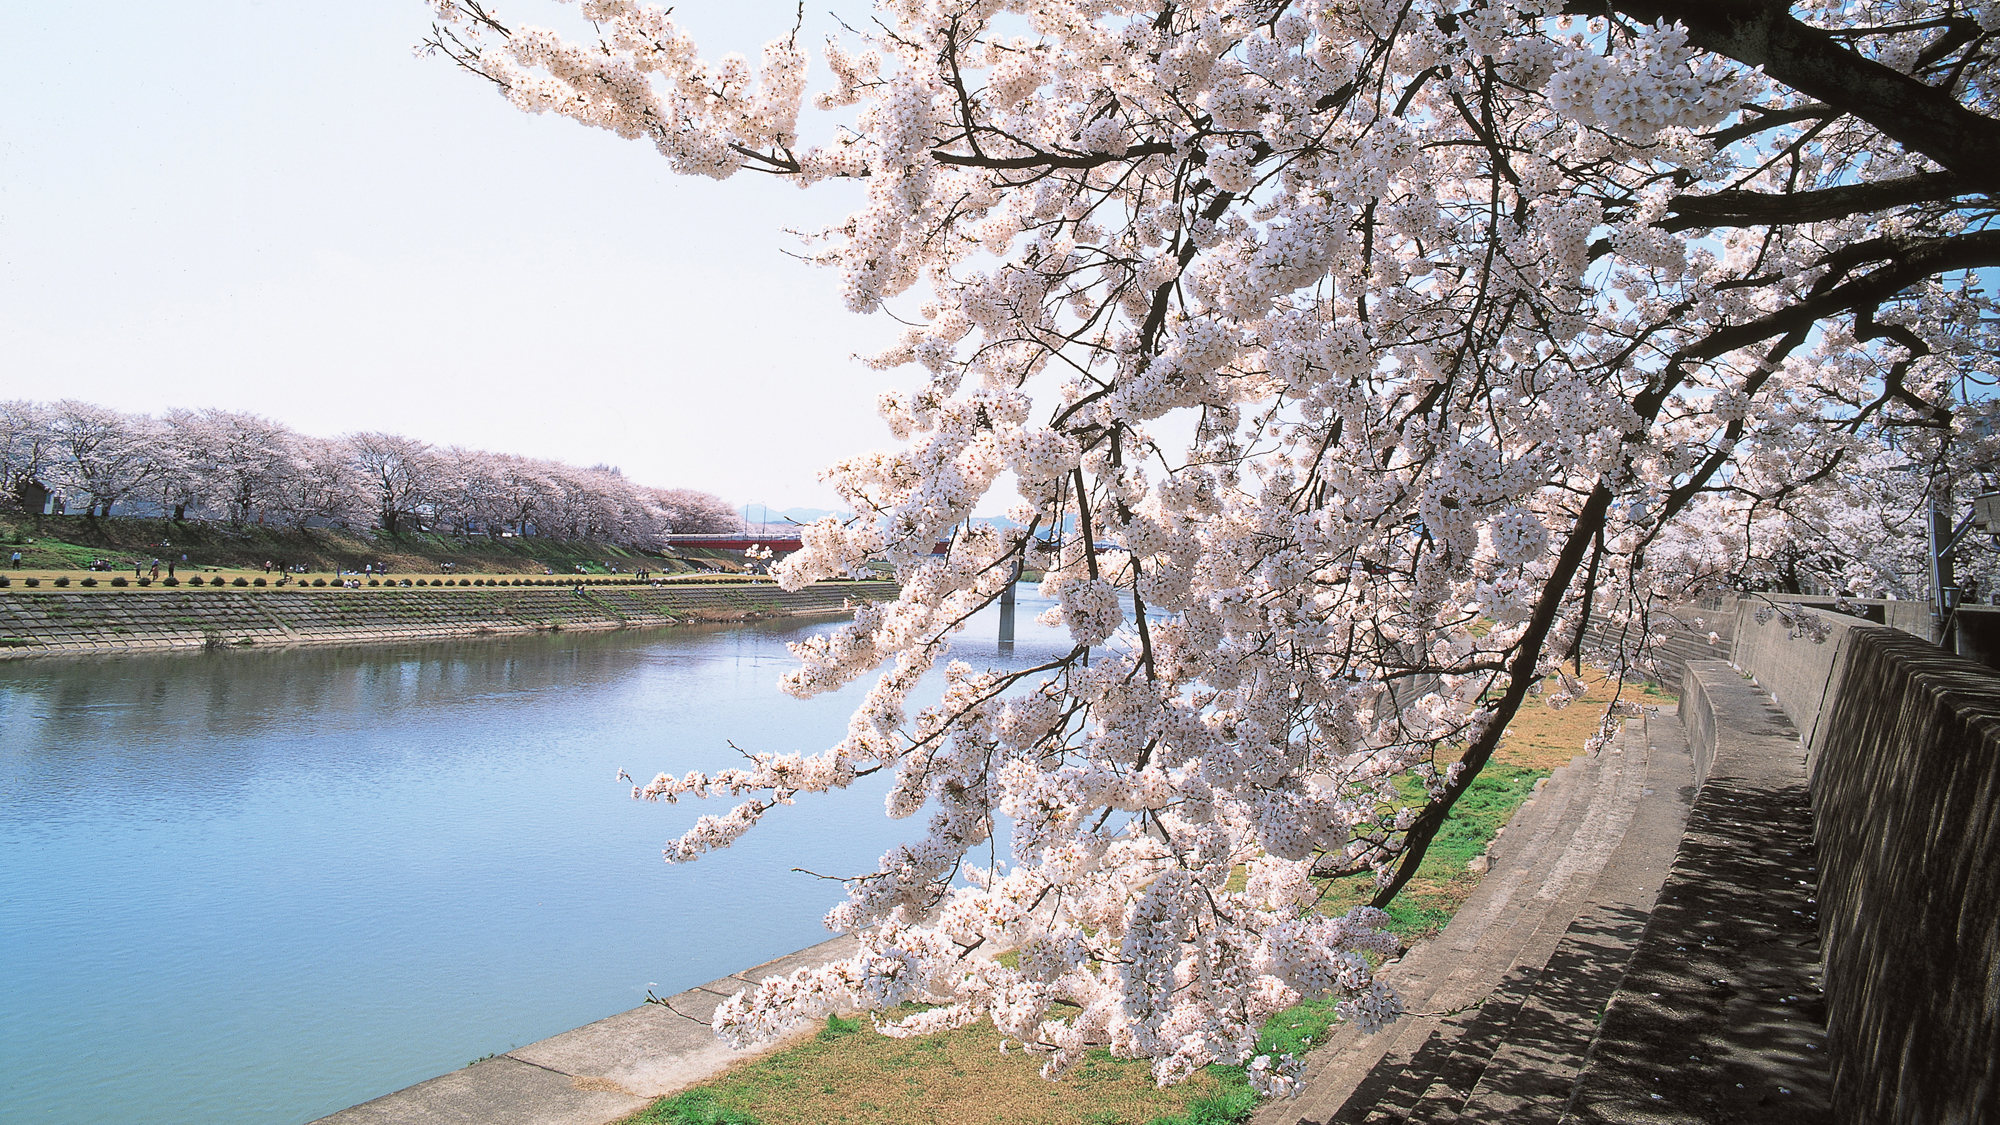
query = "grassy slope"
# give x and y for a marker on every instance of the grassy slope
(1539, 740)
(849, 1073)
(70, 542)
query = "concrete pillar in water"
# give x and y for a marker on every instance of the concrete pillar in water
(1007, 608)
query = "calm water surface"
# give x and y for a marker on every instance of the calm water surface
(262, 886)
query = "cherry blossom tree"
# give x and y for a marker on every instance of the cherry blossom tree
(1465, 303)
(241, 463)
(177, 455)
(322, 484)
(686, 511)
(524, 491)
(25, 439)
(244, 467)
(396, 470)
(98, 454)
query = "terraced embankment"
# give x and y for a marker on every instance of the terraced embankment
(38, 623)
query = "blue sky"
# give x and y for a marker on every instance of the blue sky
(271, 205)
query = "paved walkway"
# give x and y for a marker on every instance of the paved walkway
(593, 1075)
(1721, 1018)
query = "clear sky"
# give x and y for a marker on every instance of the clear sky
(271, 205)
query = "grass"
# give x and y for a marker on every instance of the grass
(847, 1072)
(1547, 738)
(1443, 882)
(69, 543)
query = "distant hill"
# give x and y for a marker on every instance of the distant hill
(760, 513)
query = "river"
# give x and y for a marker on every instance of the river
(244, 887)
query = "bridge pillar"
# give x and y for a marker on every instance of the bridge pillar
(1007, 609)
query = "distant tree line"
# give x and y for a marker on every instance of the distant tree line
(243, 468)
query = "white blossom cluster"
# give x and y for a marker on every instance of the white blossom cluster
(1482, 324)
(1281, 1077)
(1635, 91)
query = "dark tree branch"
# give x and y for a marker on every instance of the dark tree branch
(1520, 677)
(1767, 119)
(1756, 208)
(1764, 33)
(1054, 159)
(1918, 261)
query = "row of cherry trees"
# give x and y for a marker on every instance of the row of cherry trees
(243, 468)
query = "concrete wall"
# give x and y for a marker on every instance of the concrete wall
(1906, 795)
(1697, 714)
(1798, 670)
(36, 622)
(1903, 745)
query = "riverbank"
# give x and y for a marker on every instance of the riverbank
(61, 622)
(73, 543)
(661, 1064)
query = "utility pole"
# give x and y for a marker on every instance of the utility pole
(1944, 586)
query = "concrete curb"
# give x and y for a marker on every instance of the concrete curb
(594, 1074)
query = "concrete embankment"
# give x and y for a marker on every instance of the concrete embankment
(38, 623)
(597, 1073)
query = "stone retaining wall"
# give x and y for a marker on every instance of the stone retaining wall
(1906, 796)
(1801, 673)
(35, 623)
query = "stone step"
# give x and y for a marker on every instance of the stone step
(1530, 1074)
(1507, 997)
(1571, 877)
(1441, 977)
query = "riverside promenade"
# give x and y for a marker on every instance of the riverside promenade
(62, 622)
(1643, 949)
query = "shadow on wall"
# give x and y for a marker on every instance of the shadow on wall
(1907, 801)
